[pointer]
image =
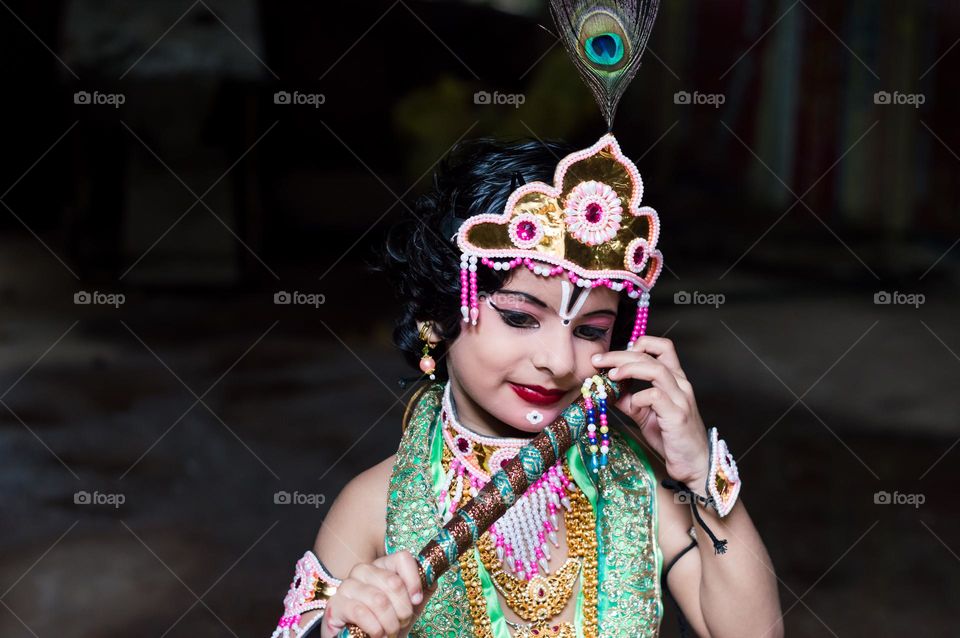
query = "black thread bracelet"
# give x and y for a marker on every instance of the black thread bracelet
(719, 545)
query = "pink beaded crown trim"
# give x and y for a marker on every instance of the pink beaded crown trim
(588, 226)
(310, 589)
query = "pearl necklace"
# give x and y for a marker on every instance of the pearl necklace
(521, 535)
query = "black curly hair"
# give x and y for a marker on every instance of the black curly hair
(423, 262)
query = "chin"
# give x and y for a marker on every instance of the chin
(518, 410)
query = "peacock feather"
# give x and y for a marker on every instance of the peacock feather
(606, 40)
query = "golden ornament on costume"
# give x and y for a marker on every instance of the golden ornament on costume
(544, 597)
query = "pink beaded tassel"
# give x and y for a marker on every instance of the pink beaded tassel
(468, 288)
(640, 323)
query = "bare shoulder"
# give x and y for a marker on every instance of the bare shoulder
(354, 528)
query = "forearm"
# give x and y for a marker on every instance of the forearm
(738, 589)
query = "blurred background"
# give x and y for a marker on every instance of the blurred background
(195, 359)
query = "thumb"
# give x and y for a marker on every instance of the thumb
(334, 622)
(428, 593)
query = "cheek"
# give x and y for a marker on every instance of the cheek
(486, 354)
(585, 350)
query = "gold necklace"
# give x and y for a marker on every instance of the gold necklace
(539, 600)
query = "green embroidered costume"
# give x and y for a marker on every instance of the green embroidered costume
(629, 560)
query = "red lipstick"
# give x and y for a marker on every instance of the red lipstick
(536, 394)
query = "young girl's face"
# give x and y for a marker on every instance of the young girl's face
(522, 358)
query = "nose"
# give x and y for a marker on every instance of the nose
(555, 353)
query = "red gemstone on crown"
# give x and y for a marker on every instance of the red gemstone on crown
(593, 213)
(526, 230)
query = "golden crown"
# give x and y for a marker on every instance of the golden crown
(589, 224)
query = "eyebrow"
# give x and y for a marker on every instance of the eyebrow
(539, 302)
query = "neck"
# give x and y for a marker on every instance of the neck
(472, 415)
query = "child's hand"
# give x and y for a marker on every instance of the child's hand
(383, 598)
(666, 413)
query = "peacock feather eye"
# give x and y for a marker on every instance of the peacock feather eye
(605, 49)
(603, 42)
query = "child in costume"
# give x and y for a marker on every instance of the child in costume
(522, 278)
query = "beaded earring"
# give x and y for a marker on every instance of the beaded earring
(427, 364)
(599, 446)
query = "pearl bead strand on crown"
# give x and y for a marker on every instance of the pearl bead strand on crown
(546, 270)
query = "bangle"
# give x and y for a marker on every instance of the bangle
(687, 496)
(723, 487)
(311, 588)
(723, 479)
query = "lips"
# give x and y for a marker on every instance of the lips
(536, 394)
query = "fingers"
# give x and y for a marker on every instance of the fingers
(650, 369)
(386, 595)
(663, 349)
(358, 607)
(405, 566)
(656, 398)
(343, 610)
(379, 597)
(659, 347)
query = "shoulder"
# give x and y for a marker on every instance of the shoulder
(354, 528)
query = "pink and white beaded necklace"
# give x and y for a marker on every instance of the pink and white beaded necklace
(521, 535)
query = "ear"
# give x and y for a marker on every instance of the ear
(432, 335)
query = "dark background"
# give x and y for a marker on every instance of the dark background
(791, 212)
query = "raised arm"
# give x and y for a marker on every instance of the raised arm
(729, 594)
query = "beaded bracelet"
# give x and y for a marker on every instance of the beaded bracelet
(723, 479)
(311, 588)
(722, 487)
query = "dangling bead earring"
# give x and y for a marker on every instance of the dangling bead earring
(596, 402)
(427, 364)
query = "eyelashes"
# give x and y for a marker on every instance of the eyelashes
(517, 319)
(592, 333)
(524, 321)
